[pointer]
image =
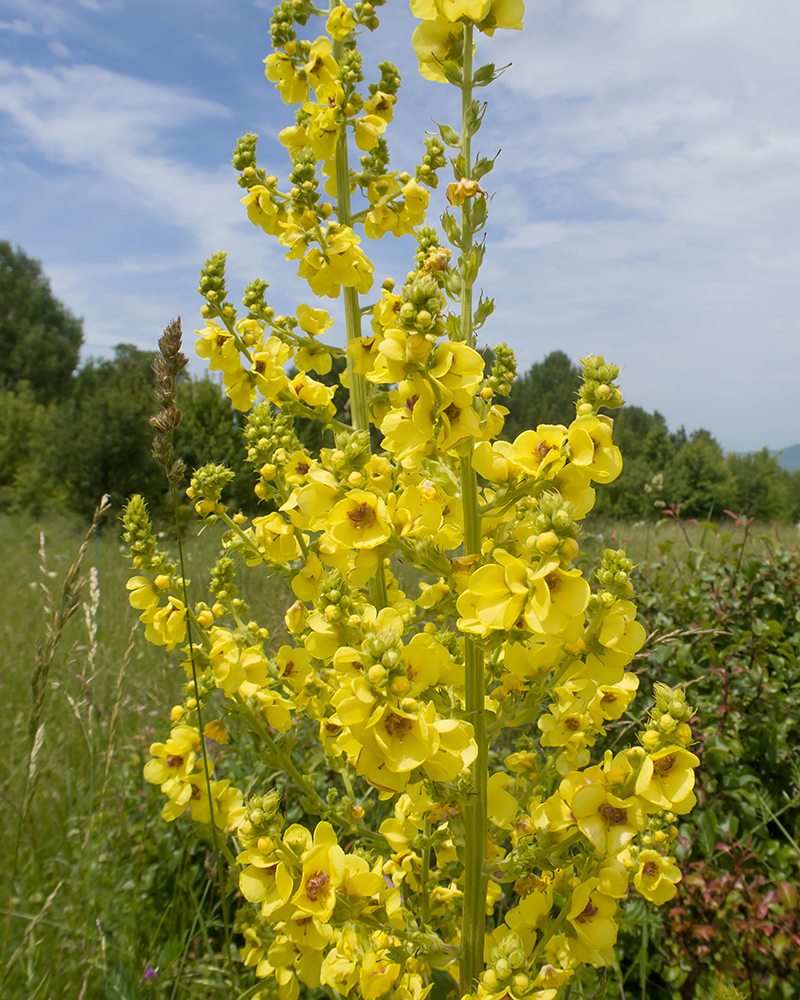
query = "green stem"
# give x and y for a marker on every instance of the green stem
(475, 818)
(301, 782)
(359, 405)
(425, 875)
(190, 622)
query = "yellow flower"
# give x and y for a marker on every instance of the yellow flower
(279, 70)
(314, 322)
(340, 965)
(591, 448)
(495, 461)
(377, 974)
(610, 823)
(307, 390)
(506, 14)
(457, 750)
(166, 626)
(536, 452)
(240, 387)
(263, 211)
(457, 366)
(397, 741)
(459, 423)
(265, 881)
(656, 876)
(380, 104)
(321, 68)
(341, 22)
(620, 638)
(267, 367)
(592, 916)
(323, 872)
(558, 597)
(502, 805)
(321, 130)
(173, 761)
(359, 521)
(416, 200)
(496, 596)
(276, 540)
(432, 41)
(218, 347)
(368, 130)
(666, 779)
(144, 593)
(346, 263)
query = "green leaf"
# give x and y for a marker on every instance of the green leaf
(483, 312)
(482, 166)
(449, 136)
(484, 75)
(452, 72)
(479, 211)
(473, 118)
(451, 228)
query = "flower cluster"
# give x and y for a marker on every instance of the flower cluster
(456, 668)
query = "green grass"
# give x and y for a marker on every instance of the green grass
(648, 541)
(100, 887)
(97, 886)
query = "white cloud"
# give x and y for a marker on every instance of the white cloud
(18, 27)
(655, 199)
(120, 128)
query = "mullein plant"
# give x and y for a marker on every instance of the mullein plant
(479, 833)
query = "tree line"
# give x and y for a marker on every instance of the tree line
(70, 433)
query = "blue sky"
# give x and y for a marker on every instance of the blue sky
(646, 201)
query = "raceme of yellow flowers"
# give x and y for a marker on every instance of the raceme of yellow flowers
(456, 669)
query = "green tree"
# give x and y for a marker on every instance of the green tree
(761, 486)
(40, 339)
(544, 395)
(646, 473)
(703, 482)
(28, 450)
(105, 433)
(210, 431)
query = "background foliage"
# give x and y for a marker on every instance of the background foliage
(70, 434)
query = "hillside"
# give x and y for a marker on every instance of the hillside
(789, 458)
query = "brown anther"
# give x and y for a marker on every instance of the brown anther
(196, 793)
(572, 723)
(664, 764)
(315, 885)
(260, 367)
(301, 468)
(650, 868)
(552, 581)
(410, 403)
(530, 883)
(443, 811)
(173, 760)
(363, 516)
(589, 911)
(543, 449)
(612, 816)
(397, 725)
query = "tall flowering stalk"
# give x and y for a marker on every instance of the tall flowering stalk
(477, 829)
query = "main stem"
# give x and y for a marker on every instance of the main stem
(475, 816)
(359, 409)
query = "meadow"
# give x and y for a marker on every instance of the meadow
(104, 899)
